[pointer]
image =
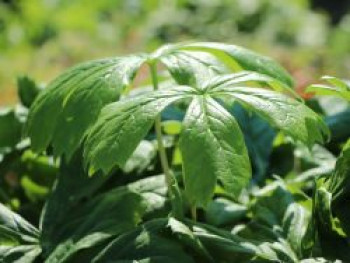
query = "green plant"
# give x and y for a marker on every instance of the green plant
(93, 121)
(73, 102)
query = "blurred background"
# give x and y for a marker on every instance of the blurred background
(40, 38)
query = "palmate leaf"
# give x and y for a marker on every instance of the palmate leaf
(211, 142)
(62, 113)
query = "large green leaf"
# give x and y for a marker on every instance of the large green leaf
(63, 112)
(19, 240)
(289, 115)
(122, 125)
(238, 58)
(212, 148)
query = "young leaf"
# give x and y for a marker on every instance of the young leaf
(212, 148)
(64, 111)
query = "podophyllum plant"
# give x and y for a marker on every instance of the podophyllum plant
(88, 106)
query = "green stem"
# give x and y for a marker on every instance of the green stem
(161, 149)
(194, 213)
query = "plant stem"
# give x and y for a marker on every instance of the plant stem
(161, 149)
(194, 213)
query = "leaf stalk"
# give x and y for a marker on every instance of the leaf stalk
(161, 148)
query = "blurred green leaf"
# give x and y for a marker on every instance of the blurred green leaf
(27, 90)
(10, 129)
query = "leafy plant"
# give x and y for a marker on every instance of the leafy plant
(74, 100)
(112, 201)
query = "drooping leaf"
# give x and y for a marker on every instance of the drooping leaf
(64, 111)
(238, 58)
(122, 125)
(212, 148)
(289, 115)
(337, 87)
